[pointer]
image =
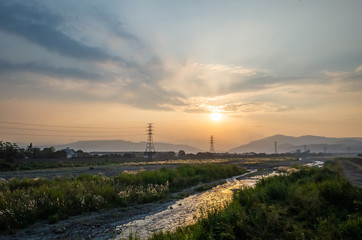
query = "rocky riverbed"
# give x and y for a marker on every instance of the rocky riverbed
(142, 220)
(184, 211)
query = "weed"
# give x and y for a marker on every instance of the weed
(24, 201)
(311, 203)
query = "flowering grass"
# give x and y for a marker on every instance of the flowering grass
(22, 202)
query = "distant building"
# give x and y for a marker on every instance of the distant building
(70, 153)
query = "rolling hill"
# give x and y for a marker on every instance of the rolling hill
(124, 146)
(291, 144)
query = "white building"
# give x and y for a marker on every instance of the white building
(70, 153)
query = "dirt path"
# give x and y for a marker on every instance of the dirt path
(353, 170)
(96, 225)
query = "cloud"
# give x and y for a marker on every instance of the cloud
(135, 81)
(210, 80)
(255, 107)
(41, 27)
(107, 62)
(116, 27)
(46, 69)
(347, 81)
(231, 106)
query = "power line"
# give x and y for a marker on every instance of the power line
(64, 126)
(55, 130)
(184, 138)
(57, 135)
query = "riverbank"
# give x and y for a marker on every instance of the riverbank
(352, 168)
(311, 203)
(24, 202)
(103, 224)
(144, 219)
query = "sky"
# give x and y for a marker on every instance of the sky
(237, 70)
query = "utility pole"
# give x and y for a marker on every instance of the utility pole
(212, 150)
(275, 147)
(150, 148)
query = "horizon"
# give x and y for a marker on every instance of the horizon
(241, 71)
(57, 145)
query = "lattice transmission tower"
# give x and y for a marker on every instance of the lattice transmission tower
(275, 147)
(212, 149)
(150, 148)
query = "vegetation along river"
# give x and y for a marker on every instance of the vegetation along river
(184, 211)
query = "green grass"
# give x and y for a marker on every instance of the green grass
(22, 202)
(312, 203)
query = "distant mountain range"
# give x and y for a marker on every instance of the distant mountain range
(292, 144)
(124, 146)
(265, 145)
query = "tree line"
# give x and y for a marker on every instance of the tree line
(11, 151)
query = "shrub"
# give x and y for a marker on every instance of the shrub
(312, 203)
(24, 201)
(351, 229)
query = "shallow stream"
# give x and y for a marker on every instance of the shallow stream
(185, 211)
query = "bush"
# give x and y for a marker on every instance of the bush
(312, 203)
(22, 202)
(351, 229)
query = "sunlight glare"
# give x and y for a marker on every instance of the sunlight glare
(216, 116)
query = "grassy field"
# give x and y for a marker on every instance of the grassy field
(36, 164)
(312, 203)
(22, 202)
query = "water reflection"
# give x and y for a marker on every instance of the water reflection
(185, 211)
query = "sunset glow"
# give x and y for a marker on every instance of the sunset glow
(216, 117)
(239, 70)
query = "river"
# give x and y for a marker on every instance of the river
(142, 219)
(185, 211)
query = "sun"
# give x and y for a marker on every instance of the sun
(216, 116)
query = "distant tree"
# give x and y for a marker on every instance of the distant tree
(171, 154)
(30, 147)
(36, 152)
(8, 151)
(29, 151)
(81, 154)
(129, 155)
(48, 150)
(181, 153)
(205, 155)
(59, 154)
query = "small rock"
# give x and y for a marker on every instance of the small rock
(171, 207)
(59, 230)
